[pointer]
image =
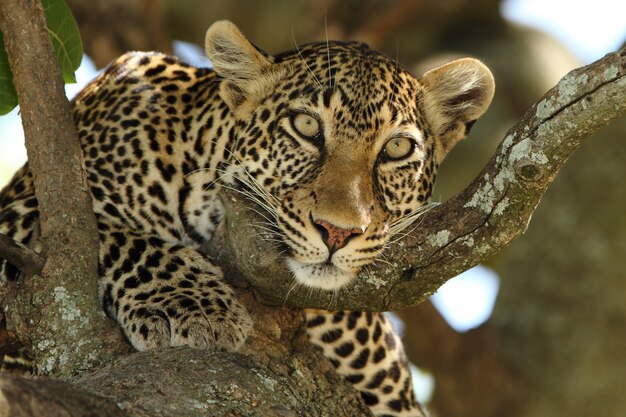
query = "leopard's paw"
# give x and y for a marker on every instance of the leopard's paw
(211, 326)
(147, 329)
(185, 320)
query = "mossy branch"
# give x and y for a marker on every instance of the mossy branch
(464, 231)
(56, 315)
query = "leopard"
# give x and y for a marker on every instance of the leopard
(334, 142)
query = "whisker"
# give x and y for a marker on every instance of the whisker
(395, 74)
(383, 260)
(317, 81)
(258, 225)
(264, 234)
(397, 229)
(334, 298)
(251, 197)
(196, 170)
(330, 79)
(293, 286)
(257, 185)
(261, 195)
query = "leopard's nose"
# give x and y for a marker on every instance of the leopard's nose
(336, 237)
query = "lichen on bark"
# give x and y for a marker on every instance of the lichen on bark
(56, 315)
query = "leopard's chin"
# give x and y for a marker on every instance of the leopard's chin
(320, 275)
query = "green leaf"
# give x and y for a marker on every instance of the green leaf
(65, 37)
(67, 45)
(8, 95)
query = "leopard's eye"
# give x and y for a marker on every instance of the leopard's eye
(398, 148)
(305, 125)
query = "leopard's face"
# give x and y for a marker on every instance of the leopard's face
(343, 156)
(338, 145)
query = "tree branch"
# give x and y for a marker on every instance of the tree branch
(23, 257)
(276, 373)
(460, 233)
(21, 397)
(30, 263)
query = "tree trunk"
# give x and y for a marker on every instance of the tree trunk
(56, 315)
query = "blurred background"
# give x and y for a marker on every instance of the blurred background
(539, 330)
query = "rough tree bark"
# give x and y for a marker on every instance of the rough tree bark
(27, 260)
(276, 373)
(451, 237)
(56, 315)
(16, 400)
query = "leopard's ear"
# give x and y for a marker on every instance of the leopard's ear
(455, 95)
(242, 66)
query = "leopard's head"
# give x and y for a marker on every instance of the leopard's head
(338, 144)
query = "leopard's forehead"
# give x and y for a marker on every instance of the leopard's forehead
(364, 80)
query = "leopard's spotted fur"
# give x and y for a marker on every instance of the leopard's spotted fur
(337, 144)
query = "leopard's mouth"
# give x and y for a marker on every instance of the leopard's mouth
(323, 275)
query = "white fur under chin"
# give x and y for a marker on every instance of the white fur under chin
(321, 275)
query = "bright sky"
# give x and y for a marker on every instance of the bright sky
(589, 28)
(12, 151)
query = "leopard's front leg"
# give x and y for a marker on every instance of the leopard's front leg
(367, 351)
(165, 294)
